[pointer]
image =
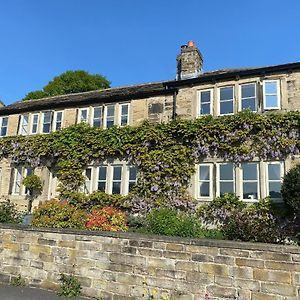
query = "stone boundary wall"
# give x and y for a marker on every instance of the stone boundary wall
(114, 265)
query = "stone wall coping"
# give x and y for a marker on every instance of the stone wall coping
(159, 238)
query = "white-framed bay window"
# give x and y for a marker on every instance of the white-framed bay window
(271, 94)
(274, 175)
(205, 102)
(204, 187)
(226, 100)
(248, 97)
(250, 181)
(3, 126)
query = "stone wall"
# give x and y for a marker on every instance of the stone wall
(114, 265)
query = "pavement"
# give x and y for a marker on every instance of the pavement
(8, 292)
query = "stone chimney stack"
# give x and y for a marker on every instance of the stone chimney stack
(189, 62)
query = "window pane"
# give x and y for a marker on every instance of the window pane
(226, 93)
(249, 103)
(47, 117)
(116, 188)
(46, 128)
(204, 189)
(204, 172)
(271, 101)
(58, 116)
(248, 91)
(271, 87)
(83, 115)
(226, 187)
(249, 171)
(226, 172)
(117, 173)
(274, 171)
(109, 123)
(102, 173)
(101, 186)
(97, 112)
(3, 131)
(205, 97)
(110, 110)
(130, 186)
(226, 107)
(132, 173)
(124, 120)
(250, 190)
(124, 109)
(205, 109)
(4, 121)
(274, 189)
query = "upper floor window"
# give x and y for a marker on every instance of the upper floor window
(83, 115)
(271, 94)
(124, 114)
(3, 126)
(248, 96)
(205, 102)
(23, 130)
(110, 116)
(34, 123)
(46, 124)
(57, 122)
(226, 100)
(97, 117)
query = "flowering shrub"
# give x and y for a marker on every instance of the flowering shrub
(58, 214)
(107, 218)
(9, 213)
(291, 188)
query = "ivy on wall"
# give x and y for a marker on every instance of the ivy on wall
(165, 154)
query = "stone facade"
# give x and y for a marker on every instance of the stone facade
(114, 265)
(156, 102)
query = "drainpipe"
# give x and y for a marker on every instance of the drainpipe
(174, 114)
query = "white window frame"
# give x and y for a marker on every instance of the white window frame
(32, 124)
(23, 129)
(120, 113)
(79, 119)
(218, 177)
(198, 181)
(230, 100)
(54, 123)
(97, 180)
(277, 94)
(18, 175)
(43, 121)
(249, 181)
(93, 116)
(127, 178)
(272, 180)
(199, 102)
(1, 126)
(105, 115)
(243, 98)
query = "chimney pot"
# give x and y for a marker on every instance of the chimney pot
(190, 44)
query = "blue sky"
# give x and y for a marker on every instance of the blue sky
(136, 41)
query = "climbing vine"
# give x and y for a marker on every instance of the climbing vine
(165, 154)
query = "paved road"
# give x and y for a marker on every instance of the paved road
(8, 292)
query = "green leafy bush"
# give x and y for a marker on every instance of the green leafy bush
(107, 218)
(58, 214)
(166, 221)
(290, 189)
(32, 183)
(69, 286)
(9, 213)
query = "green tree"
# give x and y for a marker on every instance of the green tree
(70, 82)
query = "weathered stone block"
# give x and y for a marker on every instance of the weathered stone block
(269, 275)
(224, 292)
(248, 262)
(214, 269)
(278, 289)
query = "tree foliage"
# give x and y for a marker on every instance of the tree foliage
(70, 82)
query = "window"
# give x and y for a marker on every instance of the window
(226, 178)
(205, 181)
(132, 176)
(110, 116)
(274, 179)
(205, 102)
(57, 124)
(18, 175)
(83, 115)
(34, 123)
(250, 181)
(87, 189)
(271, 91)
(226, 100)
(116, 179)
(124, 119)
(47, 115)
(23, 130)
(248, 96)
(102, 178)
(3, 126)
(97, 117)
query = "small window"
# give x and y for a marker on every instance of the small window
(17, 181)
(250, 181)
(271, 90)
(47, 115)
(110, 116)
(102, 177)
(274, 178)
(248, 96)
(3, 126)
(58, 116)
(83, 115)
(24, 124)
(124, 114)
(205, 102)
(204, 181)
(226, 178)
(116, 179)
(226, 105)
(87, 181)
(132, 177)
(35, 123)
(97, 117)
